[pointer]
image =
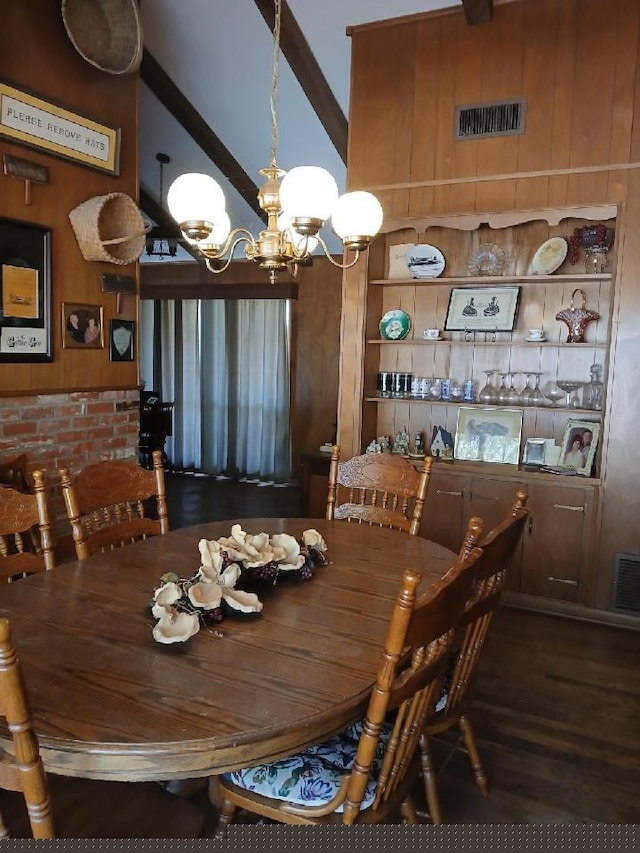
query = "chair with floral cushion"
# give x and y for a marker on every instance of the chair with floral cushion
(365, 775)
(378, 489)
(107, 504)
(20, 514)
(32, 804)
(498, 549)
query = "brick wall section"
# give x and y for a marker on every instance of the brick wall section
(68, 430)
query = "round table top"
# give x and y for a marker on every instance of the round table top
(109, 702)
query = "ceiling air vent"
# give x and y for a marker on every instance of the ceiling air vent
(499, 118)
(626, 584)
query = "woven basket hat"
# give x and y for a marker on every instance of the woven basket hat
(110, 228)
(107, 33)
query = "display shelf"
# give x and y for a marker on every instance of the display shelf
(478, 281)
(591, 413)
(522, 343)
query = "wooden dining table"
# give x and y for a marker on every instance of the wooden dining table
(109, 702)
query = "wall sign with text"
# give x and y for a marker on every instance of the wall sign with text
(29, 120)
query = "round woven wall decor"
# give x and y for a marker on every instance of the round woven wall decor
(107, 33)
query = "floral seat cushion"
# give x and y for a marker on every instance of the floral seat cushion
(313, 777)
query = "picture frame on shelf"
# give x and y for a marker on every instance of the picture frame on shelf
(82, 326)
(579, 445)
(122, 340)
(483, 309)
(25, 292)
(488, 435)
(534, 452)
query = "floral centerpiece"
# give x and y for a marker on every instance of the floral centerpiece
(182, 605)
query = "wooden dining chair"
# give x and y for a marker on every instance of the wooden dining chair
(365, 775)
(56, 807)
(498, 548)
(21, 553)
(107, 504)
(379, 489)
(13, 472)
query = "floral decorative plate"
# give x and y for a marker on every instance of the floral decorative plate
(425, 261)
(488, 259)
(395, 325)
(549, 256)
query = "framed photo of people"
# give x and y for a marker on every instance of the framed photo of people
(579, 445)
(82, 326)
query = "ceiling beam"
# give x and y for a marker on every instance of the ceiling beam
(165, 90)
(478, 11)
(297, 52)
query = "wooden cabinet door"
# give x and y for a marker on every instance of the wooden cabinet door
(442, 519)
(558, 543)
(491, 500)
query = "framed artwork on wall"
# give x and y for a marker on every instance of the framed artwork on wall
(122, 340)
(25, 292)
(82, 326)
(488, 435)
(482, 309)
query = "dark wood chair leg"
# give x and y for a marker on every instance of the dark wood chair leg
(430, 784)
(408, 812)
(474, 756)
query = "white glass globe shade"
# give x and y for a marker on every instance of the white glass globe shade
(300, 241)
(357, 214)
(195, 198)
(219, 233)
(308, 192)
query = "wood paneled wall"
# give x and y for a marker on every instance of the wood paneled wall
(576, 62)
(37, 55)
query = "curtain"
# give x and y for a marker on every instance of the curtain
(225, 366)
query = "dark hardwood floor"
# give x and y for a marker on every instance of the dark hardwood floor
(557, 710)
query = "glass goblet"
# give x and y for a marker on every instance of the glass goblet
(488, 393)
(503, 390)
(570, 386)
(536, 398)
(525, 394)
(553, 392)
(513, 397)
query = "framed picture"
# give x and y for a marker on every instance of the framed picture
(483, 309)
(25, 292)
(29, 120)
(534, 451)
(579, 445)
(488, 435)
(82, 326)
(121, 340)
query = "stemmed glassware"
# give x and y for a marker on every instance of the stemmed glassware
(503, 390)
(525, 394)
(488, 393)
(553, 392)
(513, 398)
(570, 386)
(536, 398)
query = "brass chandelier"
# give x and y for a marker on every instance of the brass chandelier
(297, 204)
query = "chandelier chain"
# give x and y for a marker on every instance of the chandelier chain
(273, 94)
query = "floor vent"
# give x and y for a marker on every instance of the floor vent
(626, 584)
(499, 118)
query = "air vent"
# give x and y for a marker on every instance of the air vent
(499, 118)
(626, 584)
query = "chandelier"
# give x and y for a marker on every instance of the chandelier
(297, 203)
(157, 245)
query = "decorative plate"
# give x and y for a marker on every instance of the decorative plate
(488, 259)
(549, 256)
(395, 325)
(425, 261)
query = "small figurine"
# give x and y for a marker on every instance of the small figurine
(401, 442)
(418, 448)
